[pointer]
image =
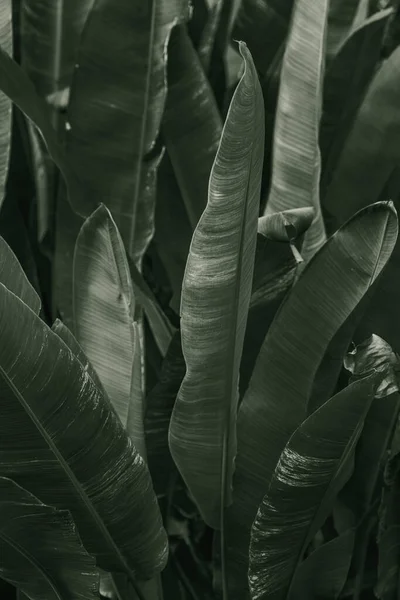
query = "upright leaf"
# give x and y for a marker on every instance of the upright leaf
(50, 35)
(191, 123)
(215, 300)
(6, 43)
(14, 278)
(296, 157)
(113, 129)
(104, 310)
(282, 382)
(83, 459)
(303, 489)
(41, 552)
(340, 21)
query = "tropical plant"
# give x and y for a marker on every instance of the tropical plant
(199, 258)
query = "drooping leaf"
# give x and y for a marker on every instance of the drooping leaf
(303, 489)
(127, 112)
(41, 552)
(324, 573)
(215, 300)
(296, 158)
(287, 225)
(50, 34)
(345, 84)
(14, 278)
(6, 43)
(83, 459)
(277, 397)
(191, 123)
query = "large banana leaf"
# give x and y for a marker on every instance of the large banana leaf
(104, 306)
(281, 385)
(191, 123)
(6, 43)
(41, 552)
(345, 84)
(114, 129)
(50, 34)
(263, 25)
(371, 150)
(324, 572)
(215, 300)
(14, 278)
(303, 489)
(71, 450)
(296, 157)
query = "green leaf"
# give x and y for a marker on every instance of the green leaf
(215, 300)
(159, 405)
(127, 112)
(362, 171)
(263, 25)
(50, 34)
(191, 123)
(160, 326)
(345, 84)
(282, 382)
(286, 226)
(72, 450)
(303, 489)
(19, 88)
(340, 21)
(6, 43)
(324, 572)
(41, 552)
(104, 310)
(14, 278)
(296, 158)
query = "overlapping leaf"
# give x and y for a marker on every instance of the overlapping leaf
(215, 301)
(276, 400)
(303, 489)
(340, 21)
(191, 123)
(114, 127)
(296, 157)
(41, 552)
(71, 450)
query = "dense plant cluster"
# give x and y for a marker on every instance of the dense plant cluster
(199, 291)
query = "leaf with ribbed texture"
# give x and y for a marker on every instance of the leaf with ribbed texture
(303, 489)
(41, 552)
(6, 43)
(296, 162)
(282, 382)
(287, 225)
(345, 84)
(263, 25)
(324, 572)
(14, 278)
(71, 450)
(50, 34)
(124, 46)
(215, 300)
(191, 123)
(104, 307)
